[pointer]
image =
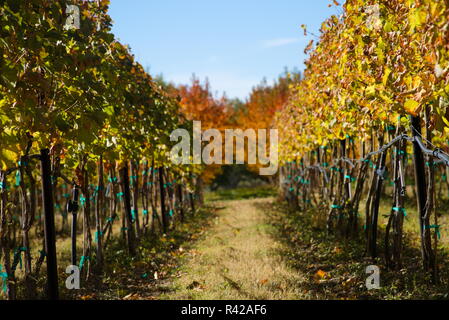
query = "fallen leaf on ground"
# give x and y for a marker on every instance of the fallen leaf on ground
(195, 285)
(320, 274)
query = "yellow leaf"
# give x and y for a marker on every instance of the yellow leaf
(321, 274)
(43, 54)
(446, 122)
(387, 73)
(9, 155)
(370, 91)
(411, 106)
(416, 81)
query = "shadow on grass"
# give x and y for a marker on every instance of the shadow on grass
(241, 193)
(334, 268)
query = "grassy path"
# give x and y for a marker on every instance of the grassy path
(253, 249)
(236, 259)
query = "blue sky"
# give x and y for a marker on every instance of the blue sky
(235, 43)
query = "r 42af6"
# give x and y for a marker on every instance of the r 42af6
(244, 310)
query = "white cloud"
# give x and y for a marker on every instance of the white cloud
(280, 42)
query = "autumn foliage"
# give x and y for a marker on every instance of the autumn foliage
(199, 104)
(375, 62)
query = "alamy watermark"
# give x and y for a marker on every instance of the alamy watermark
(73, 17)
(373, 280)
(373, 20)
(73, 281)
(259, 150)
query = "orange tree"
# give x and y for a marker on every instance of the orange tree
(264, 102)
(199, 104)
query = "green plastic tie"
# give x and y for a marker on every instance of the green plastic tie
(336, 206)
(18, 178)
(437, 229)
(350, 178)
(42, 253)
(398, 209)
(112, 179)
(97, 235)
(4, 277)
(145, 212)
(133, 215)
(18, 257)
(82, 261)
(170, 213)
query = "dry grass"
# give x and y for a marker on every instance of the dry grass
(237, 259)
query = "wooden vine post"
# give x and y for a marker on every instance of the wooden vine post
(49, 226)
(379, 177)
(98, 210)
(73, 207)
(421, 194)
(124, 179)
(162, 192)
(180, 201)
(135, 195)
